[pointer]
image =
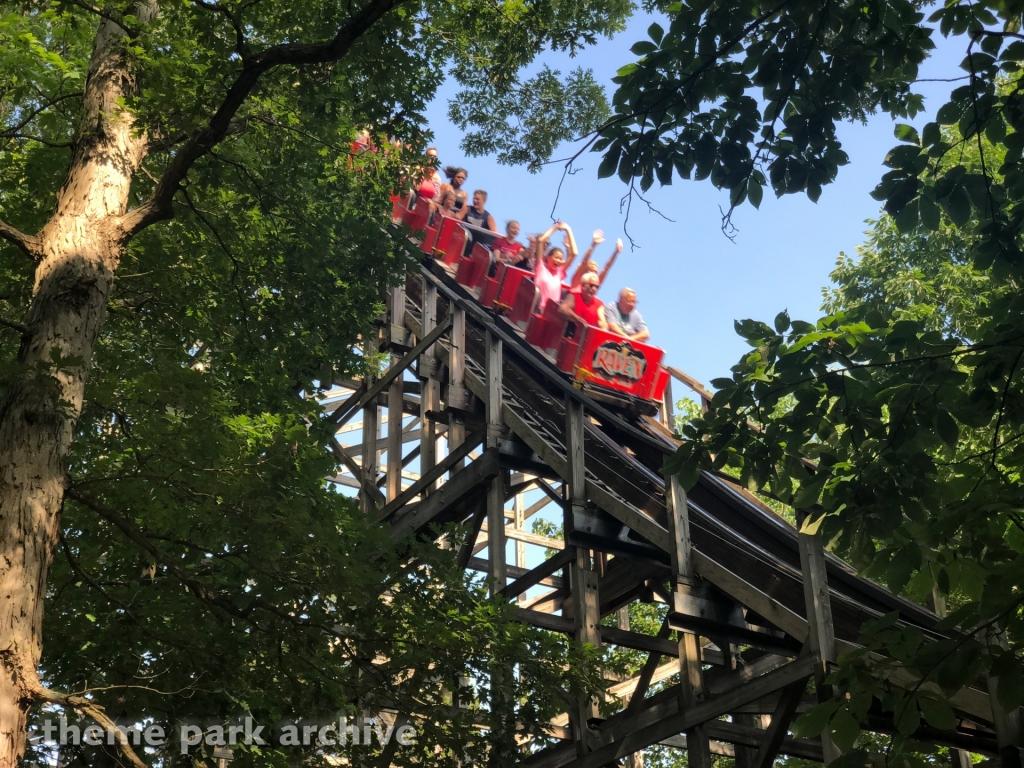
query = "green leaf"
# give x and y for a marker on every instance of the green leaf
(810, 525)
(907, 716)
(813, 721)
(947, 428)
(656, 33)
(845, 729)
(782, 321)
(906, 133)
(938, 714)
(958, 206)
(610, 161)
(755, 192)
(949, 113)
(906, 220)
(643, 48)
(930, 214)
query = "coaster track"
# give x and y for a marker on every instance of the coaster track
(756, 610)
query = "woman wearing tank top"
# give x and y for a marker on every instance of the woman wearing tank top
(456, 178)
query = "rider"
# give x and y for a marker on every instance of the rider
(624, 319)
(584, 308)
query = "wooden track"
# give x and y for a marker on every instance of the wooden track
(756, 609)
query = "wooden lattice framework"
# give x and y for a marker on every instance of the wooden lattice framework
(756, 609)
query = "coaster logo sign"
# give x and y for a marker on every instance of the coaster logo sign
(620, 361)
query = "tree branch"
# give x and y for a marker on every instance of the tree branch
(28, 243)
(160, 206)
(232, 17)
(19, 327)
(14, 130)
(28, 683)
(136, 536)
(115, 18)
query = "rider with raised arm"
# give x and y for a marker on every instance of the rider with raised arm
(587, 265)
(551, 268)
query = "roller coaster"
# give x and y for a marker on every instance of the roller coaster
(505, 418)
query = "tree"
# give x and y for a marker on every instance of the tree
(193, 253)
(908, 408)
(688, 107)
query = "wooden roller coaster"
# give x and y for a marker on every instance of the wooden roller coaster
(756, 610)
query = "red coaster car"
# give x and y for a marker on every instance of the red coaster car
(613, 361)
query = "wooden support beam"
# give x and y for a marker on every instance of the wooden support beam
(583, 579)
(454, 458)
(631, 688)
(733, 634)
(481, 565)
(362, 481)
(457, 397)
(654, 724)
(733, 656)
(538, 574)
(393, 480)
(820, 633)
(348, 406)
(531, 538)
(684, 586)
(408, 436)
(693, 384)
(958, 758)
(753, 737)
(430, 386)
(398, 334)
(548, 602)
(647, 673)
(518, 520)
(466, 549)
(466, 481)
(668, 413)
(779, 727)
(496, 491)
(607, 635)
(369, 502)
(377, 387)
(1006, 722)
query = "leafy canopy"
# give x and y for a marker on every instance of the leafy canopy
(205, 569)
(906, 398)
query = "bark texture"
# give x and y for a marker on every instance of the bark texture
(78, 252)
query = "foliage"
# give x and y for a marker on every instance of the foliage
(907, 398)
(687, 409)
(205, 569)
(749, 95)
(923, 277)
(524, 121)
(555, 112)
(907, 395)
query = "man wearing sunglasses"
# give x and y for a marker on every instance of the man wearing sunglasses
(624, 319)
(584, 308)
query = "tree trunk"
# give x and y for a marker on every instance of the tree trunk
(80, 248)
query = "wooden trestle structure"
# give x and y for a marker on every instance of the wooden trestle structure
(756, 609)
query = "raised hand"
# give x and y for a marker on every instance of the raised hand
(599, 237)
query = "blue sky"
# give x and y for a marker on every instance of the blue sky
(691, 280)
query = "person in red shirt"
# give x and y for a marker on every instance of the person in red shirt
(584, 308)
(506, 249)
